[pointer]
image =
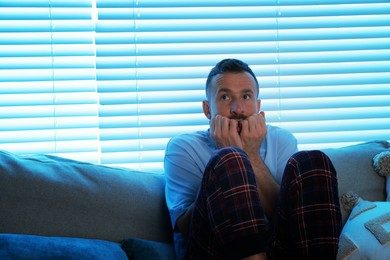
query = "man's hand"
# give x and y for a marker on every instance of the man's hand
(253, 132)
(247, 134)
(224, 132)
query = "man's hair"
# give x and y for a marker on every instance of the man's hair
(226, 66)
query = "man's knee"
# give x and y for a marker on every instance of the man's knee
(311, 160)
(228, 161)
(227, 155)
(309, 155)
(235, 151)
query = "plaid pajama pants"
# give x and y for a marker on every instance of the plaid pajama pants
(228, 220)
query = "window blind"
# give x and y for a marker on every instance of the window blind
(323, 68)
(333, 70)
(47, 78)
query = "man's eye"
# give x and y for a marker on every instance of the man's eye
(247, 96)
(225, 97)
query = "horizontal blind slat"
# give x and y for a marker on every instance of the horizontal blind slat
(48, 95)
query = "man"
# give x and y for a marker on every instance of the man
(240, 190)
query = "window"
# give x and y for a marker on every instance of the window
(48, 91)
(323, 68)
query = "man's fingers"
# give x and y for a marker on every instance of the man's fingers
(224, 125)
(233, 126)
(244, 126)
(263, 114)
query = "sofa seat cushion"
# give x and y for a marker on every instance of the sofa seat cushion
(53, 196)
(16, 246)
(136, 248)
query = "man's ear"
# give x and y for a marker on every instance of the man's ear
(258, 106)
(206, 108)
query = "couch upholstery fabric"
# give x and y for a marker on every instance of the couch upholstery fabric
(50, 196)
(15, 247)
(355, 171)
(53, 196)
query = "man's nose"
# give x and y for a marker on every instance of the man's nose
(236, 107)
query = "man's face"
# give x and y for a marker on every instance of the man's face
(232, 95)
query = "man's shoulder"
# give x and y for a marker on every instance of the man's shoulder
(190, 139)
(276, 130)
(197, 135)
(280, 137)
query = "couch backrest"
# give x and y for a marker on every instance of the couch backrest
(355, 171)
(52, 196)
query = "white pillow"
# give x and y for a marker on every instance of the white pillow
(366, 234)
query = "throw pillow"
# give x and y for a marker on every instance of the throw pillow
(139, 249)
(366, 234)
(355, 172)
(381, 163)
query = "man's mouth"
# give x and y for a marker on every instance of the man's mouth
(239, 127)
(239, 118)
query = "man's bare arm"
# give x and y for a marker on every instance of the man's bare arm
(254, 131)
(267, 187)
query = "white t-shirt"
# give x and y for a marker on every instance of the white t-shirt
(186, 158)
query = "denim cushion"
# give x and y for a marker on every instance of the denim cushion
(140, 249)
(16, 246)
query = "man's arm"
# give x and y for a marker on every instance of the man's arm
(252, 135)
(267, 187)
(224, 132)
(183, 222)
(183, 177)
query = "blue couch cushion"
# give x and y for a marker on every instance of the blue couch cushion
(16, 246)
(140, 249)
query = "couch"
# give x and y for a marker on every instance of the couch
(56, 208)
